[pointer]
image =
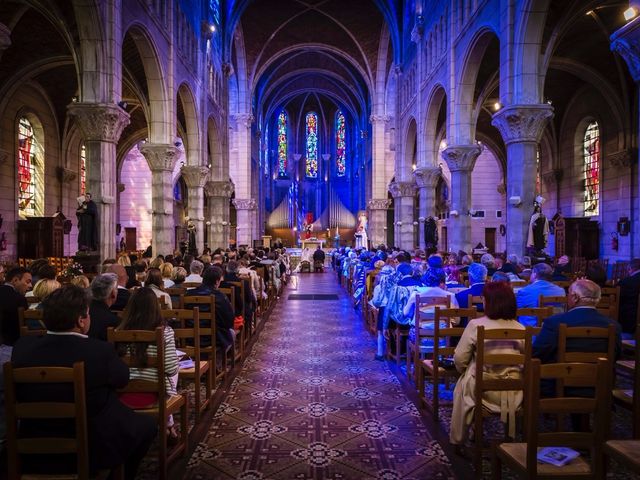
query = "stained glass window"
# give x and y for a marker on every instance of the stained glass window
(282, 144)
(591, 154)
(341, 145)
(83, 170)
(29, 175)
(312, 145)
(538, 175)
(266, 150)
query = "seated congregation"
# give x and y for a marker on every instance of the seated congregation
(516, 362)
(102, 370)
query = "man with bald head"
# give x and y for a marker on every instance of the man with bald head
(123, 294)
(582, 299)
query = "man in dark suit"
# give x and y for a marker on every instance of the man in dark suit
(582, 299)
(629, 291)
(123, 294)
(211, 279)
(104, 291)
(12, 297)
(117, 435)
(318, 259)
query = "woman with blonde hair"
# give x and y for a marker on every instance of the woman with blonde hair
(80, 281)
(166, 269)
(43, 288)
(124, 260)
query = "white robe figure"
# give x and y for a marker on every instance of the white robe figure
(362, 240)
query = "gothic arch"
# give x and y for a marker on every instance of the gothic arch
(191, 126)
(409, 151)
(436, 101)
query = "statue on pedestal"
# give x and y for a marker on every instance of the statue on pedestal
(362, 239)
(192, 249)
(87, 213)
(538, 228)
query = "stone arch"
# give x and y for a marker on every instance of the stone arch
(528, 84)
(192, 129)
(159, 121)
(437, 100)
(465, 114)
(409, 151)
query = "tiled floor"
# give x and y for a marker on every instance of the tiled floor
(311, 403)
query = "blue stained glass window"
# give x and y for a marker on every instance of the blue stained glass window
(312, 145)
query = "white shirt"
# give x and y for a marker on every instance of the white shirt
(193, 278)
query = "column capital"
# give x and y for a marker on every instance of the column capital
(374, 119)
(103, 122)
(244, 203)
(379, 204)
(223, 188)
(65, 175)
(402, 189)
(626, 42)
(461, 157)
(195, 175)
(623, 158)
(243, 119)
(522, 123)
(427, 177)
(160, 157)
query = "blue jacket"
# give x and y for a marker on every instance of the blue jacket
(545, 346)
(528, 297)
(463, 295)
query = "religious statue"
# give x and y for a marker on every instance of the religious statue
(538, 227)
(431, 235)
(87, 213)
(362, 239)
(191, 243)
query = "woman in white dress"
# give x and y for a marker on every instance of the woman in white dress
(499, 312)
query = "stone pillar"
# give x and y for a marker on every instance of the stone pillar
(195, 177)
(379, 176)
(244, 217)
(377, 221)
(403, 204)
(426, 180)
(623, 161)
(626, 42)
(5, 38)
(101, 125)
(162, 161)
(219, 193)
(521, 127)
(460, 159)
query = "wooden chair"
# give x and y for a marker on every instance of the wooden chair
(610, 300)
(32, 300)
(188, 340)
(557, 302)
(177, 296)
(247, 329)
(31, 322)
(206, 305)
(522, 457)
(165, 405)
(630, 399)
(518, 283)
(436, 368)
(484, 359)
(238, 347)
(606, 335)
(17, 411)
(187, 285)
(562, 283)
(423, 325)
(540, 314)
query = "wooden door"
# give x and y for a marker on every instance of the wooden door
(131, 239)
(490, 239)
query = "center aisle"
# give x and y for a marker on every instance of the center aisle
(311, 403)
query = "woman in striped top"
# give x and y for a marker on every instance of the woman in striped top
(143, 313)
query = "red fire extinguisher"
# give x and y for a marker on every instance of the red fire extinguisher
(614, 241)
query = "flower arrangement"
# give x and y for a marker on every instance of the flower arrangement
(72, 270)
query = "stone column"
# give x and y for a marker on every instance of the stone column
(219, 193)
(195, 177)
(626, 42)
(460, 159)
(377, 221)
(162, 161)
(426, 180)
(521, 127)
(244, 216)
(403, 197)
(623, 161)
(101, 125)
(379, 176)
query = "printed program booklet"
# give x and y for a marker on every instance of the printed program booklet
(558, 456)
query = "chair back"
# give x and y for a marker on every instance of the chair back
(422, 312)
(595, 376)
(475, 301)
(444, 330)
(17, 411)
(31, 322)
(177, 296)
(609, 301)
(231, 295)
(206, 305)
(540, 313)
(240, 287)
(186, 326)
(557, 302)
(595, 336)
(190, 284)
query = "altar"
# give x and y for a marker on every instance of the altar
(312, 243)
